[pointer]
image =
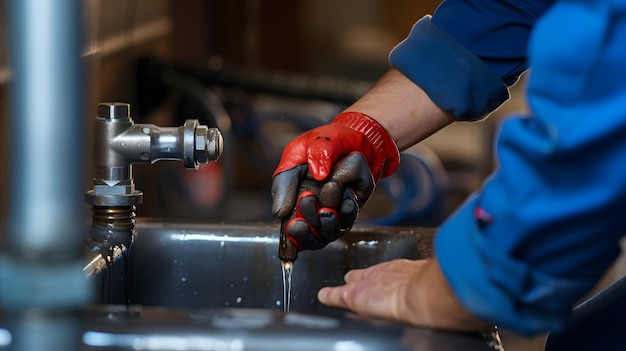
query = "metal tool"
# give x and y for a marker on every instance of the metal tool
(287, 251)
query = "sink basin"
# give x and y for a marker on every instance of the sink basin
(192, 286)
(218, 266)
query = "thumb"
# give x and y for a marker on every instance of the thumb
(285, 190)
(326, 145)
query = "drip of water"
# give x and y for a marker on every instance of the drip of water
(287, 270)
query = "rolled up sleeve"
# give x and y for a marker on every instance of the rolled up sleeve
(468, 53)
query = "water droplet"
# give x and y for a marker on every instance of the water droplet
(238, 299)
(183, 279)
(245, 279)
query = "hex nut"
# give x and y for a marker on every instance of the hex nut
(113, 190)
(200, 151)
(114, 110)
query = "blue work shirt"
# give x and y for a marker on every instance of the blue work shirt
(546, 225)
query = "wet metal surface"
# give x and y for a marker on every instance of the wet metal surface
(190, 286)
(142, 328)
(218, 266)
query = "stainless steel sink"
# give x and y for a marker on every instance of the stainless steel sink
(191, 286)
(217, 266)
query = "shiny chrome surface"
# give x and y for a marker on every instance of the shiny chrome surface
(120, 143)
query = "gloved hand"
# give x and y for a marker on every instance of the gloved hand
(326, 174)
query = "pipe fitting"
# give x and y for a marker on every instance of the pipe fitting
(119, 143)
(208, 144)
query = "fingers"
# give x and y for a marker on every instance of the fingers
(413, 292)
(324, 211)
(313, 237)
(344, 200)
(349, 187)
(345, 296)
(373, 291)
(348, 210)
(305, 235)
(354, 295)
(335, 297)
(311, 226)
(354, 275)
(285, 189)
(352, 172)
(329, 224)
(307, 207)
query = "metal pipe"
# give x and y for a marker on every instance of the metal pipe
(41, 281)
(119, 143)
(46, 130)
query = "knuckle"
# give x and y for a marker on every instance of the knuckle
(345, 297)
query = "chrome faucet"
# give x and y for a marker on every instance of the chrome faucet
(119, 143)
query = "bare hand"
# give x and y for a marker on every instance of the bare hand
(405, 291)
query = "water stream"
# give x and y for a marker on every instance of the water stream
(287, 271)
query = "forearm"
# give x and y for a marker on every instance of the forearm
(403, 109)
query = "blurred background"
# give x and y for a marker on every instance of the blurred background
(262, 72)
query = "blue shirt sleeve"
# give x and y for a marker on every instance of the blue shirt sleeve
(466, 55)
(547, 224)
(495, 31)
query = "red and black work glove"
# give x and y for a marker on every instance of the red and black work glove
(327, 174)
